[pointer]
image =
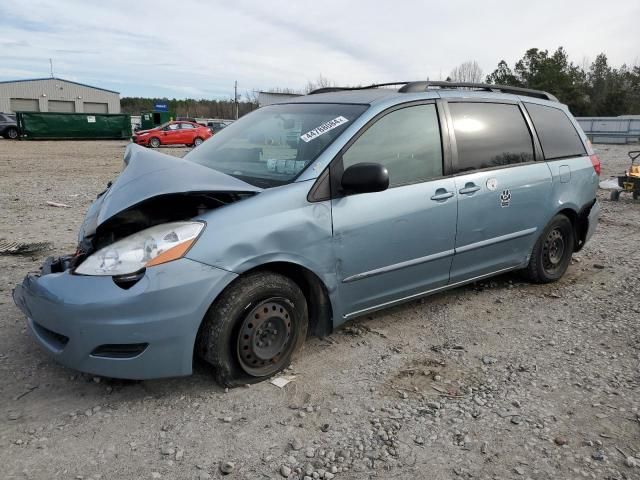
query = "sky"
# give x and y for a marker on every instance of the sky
(198, 48)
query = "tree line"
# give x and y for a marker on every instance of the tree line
(190, 107)
(590, 89)
(595, 89)
(203, 108)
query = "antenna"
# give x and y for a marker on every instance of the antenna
(51, 67)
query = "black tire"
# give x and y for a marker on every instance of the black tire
(253, 329)
(154, 142)
(636, 195)
(11, 133)
(197, 141)
(552, 252)
(615, 195)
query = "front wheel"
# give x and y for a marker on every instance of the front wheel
(615, 195)
(552, 252)
(154, 142)
(253, 329)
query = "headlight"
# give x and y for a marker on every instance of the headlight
(153, 246)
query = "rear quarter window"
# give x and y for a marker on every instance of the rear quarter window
(558, 136)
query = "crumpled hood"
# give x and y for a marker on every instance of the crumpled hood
(149, 174)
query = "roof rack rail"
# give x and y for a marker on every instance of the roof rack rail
(422, 86)
(340, 89)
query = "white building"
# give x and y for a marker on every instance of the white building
(268, 98)
(56, 95)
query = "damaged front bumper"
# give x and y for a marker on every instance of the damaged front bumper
(145, 331)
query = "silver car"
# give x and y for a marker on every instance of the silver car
(305, 214)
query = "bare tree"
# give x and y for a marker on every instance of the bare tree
(468, 71)
(320, 82)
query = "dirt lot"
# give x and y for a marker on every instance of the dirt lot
(496, 380)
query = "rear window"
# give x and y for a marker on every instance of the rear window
(557, 134)
(490, 135)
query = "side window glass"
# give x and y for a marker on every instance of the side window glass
(490, 135)
(557, 134)
(186, 126)
(406, 141)
(172, 126)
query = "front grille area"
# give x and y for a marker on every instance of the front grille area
(124, 350)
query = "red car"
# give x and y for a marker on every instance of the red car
(173, 133)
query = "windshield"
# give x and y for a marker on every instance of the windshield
(272, 145)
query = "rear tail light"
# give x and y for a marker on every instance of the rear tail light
(595, 161)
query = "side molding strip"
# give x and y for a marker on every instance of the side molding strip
(491, 241)
(436, 256)
(427, 292)
(397, 266)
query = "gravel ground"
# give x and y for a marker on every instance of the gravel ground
(500, 379)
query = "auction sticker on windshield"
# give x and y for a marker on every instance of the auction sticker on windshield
(324, 128)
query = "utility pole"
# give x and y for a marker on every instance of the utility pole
(235, 97)
(51, 67)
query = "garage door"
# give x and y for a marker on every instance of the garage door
(24, 105)
(62, 106)
(92, 107)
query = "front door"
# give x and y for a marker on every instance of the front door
(397, 243)
(171, 134)
(503, 193)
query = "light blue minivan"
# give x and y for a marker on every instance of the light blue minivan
(305, 214)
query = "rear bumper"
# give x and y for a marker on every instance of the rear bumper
(79, 319)
(592, 221)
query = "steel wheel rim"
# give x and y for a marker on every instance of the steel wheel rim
(265, 337)
(553, 250)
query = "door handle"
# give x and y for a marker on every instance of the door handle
(442, 194)
(469, 188)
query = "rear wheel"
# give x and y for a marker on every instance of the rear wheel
(615, 195)
(154, 142)
(11, 133)
(552, 252)
(253, 329)
(197, 141)
(636, 195)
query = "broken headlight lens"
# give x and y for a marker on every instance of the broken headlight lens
(153, 246)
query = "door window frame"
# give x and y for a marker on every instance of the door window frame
(537, 148)
(328, 185)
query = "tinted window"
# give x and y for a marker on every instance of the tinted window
(557, 134)
(490, 135)
(187, 126)
(406, 141)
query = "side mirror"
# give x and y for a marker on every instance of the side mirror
(365, 178)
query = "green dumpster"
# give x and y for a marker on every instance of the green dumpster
(89, 126)
(150, 120)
